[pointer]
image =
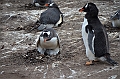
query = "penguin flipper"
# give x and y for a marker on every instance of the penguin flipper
(91, 37)
(39, 48)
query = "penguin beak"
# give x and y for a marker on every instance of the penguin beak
(45, 40)
(81, 10)
(46, 5)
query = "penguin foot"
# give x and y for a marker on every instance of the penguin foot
(88, 63)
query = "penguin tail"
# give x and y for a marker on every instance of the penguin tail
(41, 27)
(110, 61)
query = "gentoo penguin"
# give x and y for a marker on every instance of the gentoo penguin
(48, 42)
(52, 17)
(94, 36)
(116, 19)
(41, 3)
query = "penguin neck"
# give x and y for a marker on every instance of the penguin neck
(48, 38)
(91, 15)
(91, 18)
(54, 6)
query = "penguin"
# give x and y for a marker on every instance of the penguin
(48, 42)
(52, 17)
(116, 19)
(41, 3)
(95, 36)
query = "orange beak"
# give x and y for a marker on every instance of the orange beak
(46, 5)
(45, 40)
(81, 10)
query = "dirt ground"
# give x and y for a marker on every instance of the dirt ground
(19, 58)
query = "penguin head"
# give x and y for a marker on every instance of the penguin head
(47, 34)
(51, 5)
(41, 2)
(90, 8)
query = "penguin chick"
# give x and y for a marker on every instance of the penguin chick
(52, 17)
(95, 36)
(48, 42)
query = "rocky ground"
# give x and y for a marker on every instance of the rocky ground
(19, 58)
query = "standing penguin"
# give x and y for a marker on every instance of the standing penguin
(94, 36)
(48, 42)
(52, 17)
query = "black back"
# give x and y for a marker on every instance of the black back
(51, 15)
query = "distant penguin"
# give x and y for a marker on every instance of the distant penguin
(116, 19)
(52, 17)
(94, 36)
(41, 3)
(48, 42)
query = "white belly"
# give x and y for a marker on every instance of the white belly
(52, 44)
(84, 34)
(89, 54)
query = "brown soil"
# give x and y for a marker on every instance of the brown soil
(19, 58)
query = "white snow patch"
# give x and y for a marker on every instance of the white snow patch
(73, 73)
(55, 64)
(113, 77)
(2, 65)
(2, 72)
(7, 52)
(103, 70)
(5, 56)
